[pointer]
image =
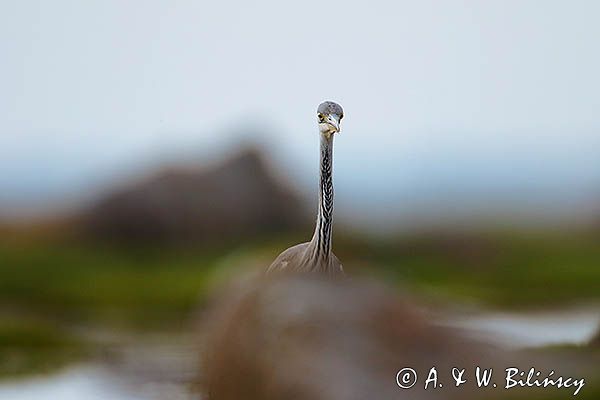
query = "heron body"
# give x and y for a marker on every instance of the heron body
(316, 255)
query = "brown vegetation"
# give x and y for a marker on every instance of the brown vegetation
(308, 338)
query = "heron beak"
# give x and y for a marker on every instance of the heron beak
(333, 120)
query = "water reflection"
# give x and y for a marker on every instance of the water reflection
(534, 329)
(159, 371)
(91, 382)
(82, 382)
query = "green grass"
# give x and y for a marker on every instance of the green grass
(46, 289)
(140, 285)
(33, 346)
(500, 270)
(89, 282)
(48, 286)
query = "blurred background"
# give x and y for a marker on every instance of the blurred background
(151, 150)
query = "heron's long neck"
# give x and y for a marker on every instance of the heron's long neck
(321, 241)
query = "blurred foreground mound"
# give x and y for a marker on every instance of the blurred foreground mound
(307, 338)
(237, 198)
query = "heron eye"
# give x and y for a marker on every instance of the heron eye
(321, 117)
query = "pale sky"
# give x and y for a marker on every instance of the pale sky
(452, 104)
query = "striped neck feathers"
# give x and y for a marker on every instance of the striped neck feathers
(321, 240)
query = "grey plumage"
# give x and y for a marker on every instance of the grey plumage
(316, 255)
(329, 107)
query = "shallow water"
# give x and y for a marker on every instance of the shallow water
(144, 374)
(534, 329)
(90, 382)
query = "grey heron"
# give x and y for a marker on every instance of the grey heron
(316, 255)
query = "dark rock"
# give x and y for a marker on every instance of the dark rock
(235, 199)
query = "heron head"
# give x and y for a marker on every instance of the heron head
(329, 115)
